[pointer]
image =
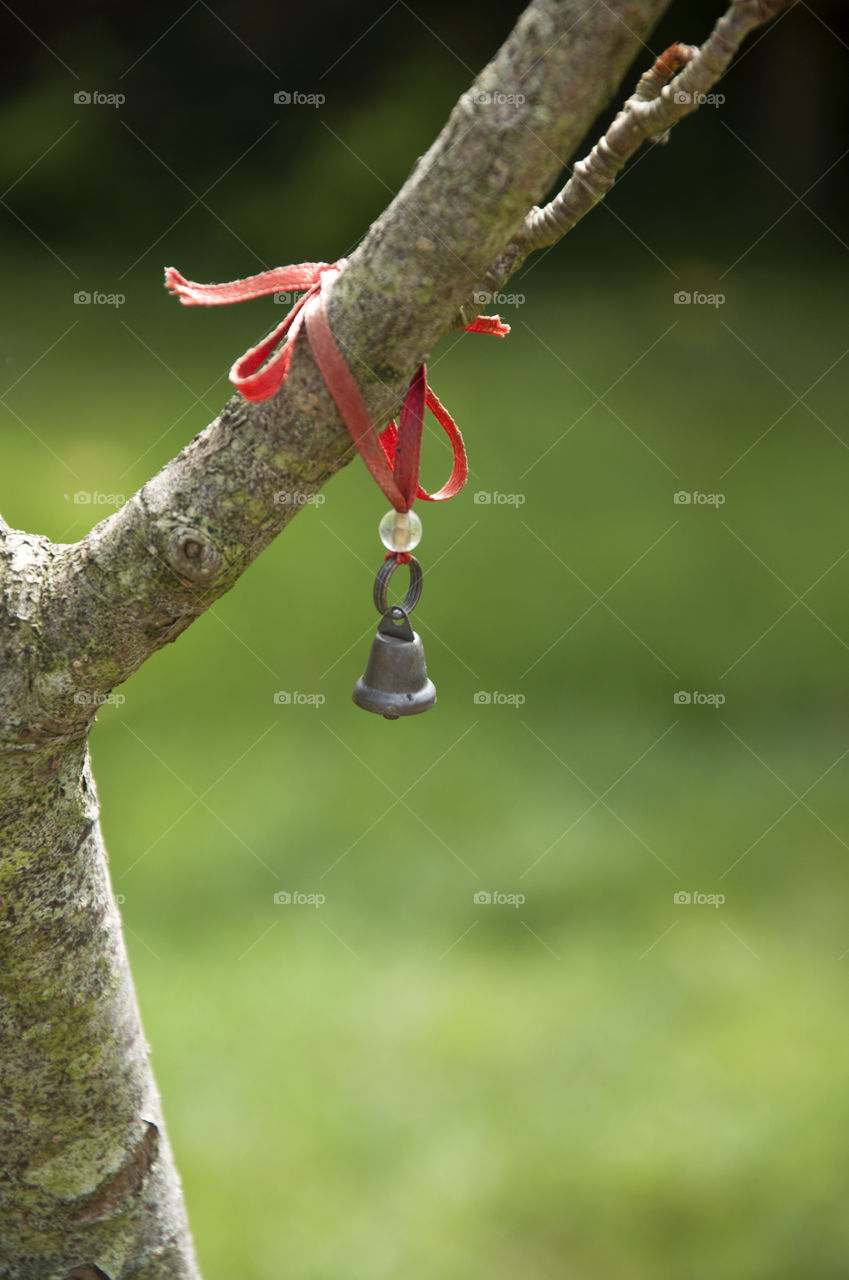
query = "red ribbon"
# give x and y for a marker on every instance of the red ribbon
(393, 456)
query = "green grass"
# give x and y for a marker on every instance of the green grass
(599, 1083)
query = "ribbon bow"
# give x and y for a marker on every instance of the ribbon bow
(392, 456)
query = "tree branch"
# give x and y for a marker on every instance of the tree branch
(658, 102)
(143, 575)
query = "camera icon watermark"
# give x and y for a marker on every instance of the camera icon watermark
(684, 498)
(495, 98)
(83, 698)
(295, 898)
(683, 298)
(684, 899)
(492, 497)
(294, 698)
(687, 698)
(285, 498)
(94, 98)
(94, 498)
(684, 99)
(487, 698)
(295, 98)
(485, 898)
(84, 298)
(484, 299)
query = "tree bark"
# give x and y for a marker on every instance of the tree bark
(87, 1178)
(87, 1183)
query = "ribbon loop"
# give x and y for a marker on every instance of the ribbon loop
(392, 457)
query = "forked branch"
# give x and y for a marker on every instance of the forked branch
(677, 84)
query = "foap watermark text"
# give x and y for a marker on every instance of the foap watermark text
(682, 898)
(695, 498)
(493, 498)
(496, 98)
(295, 698)
(83, 698)
(684, 298)
(94, 498)
(285, 498)
(483, 299)
(295, 98)
(495, 698)
(96, 298)
(94, 98)
(692, 697)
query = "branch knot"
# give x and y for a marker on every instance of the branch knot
(193, 555)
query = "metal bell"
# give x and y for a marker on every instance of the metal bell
(395, 682)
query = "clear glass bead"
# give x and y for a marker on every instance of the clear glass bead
(400, 530)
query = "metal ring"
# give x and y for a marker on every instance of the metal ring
(381, 582)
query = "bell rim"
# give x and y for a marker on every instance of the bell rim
(404, 704)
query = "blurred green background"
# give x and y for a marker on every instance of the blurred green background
(598, 1081)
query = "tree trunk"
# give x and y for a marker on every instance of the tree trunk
(88, 1176)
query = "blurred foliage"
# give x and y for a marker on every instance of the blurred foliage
(199, 121)
(599, 1082)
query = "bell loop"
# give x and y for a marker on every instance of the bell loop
(381, 582)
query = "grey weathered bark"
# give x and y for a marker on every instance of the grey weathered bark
(87, 1183)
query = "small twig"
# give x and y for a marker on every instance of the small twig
(673, 88)
(650, 112)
